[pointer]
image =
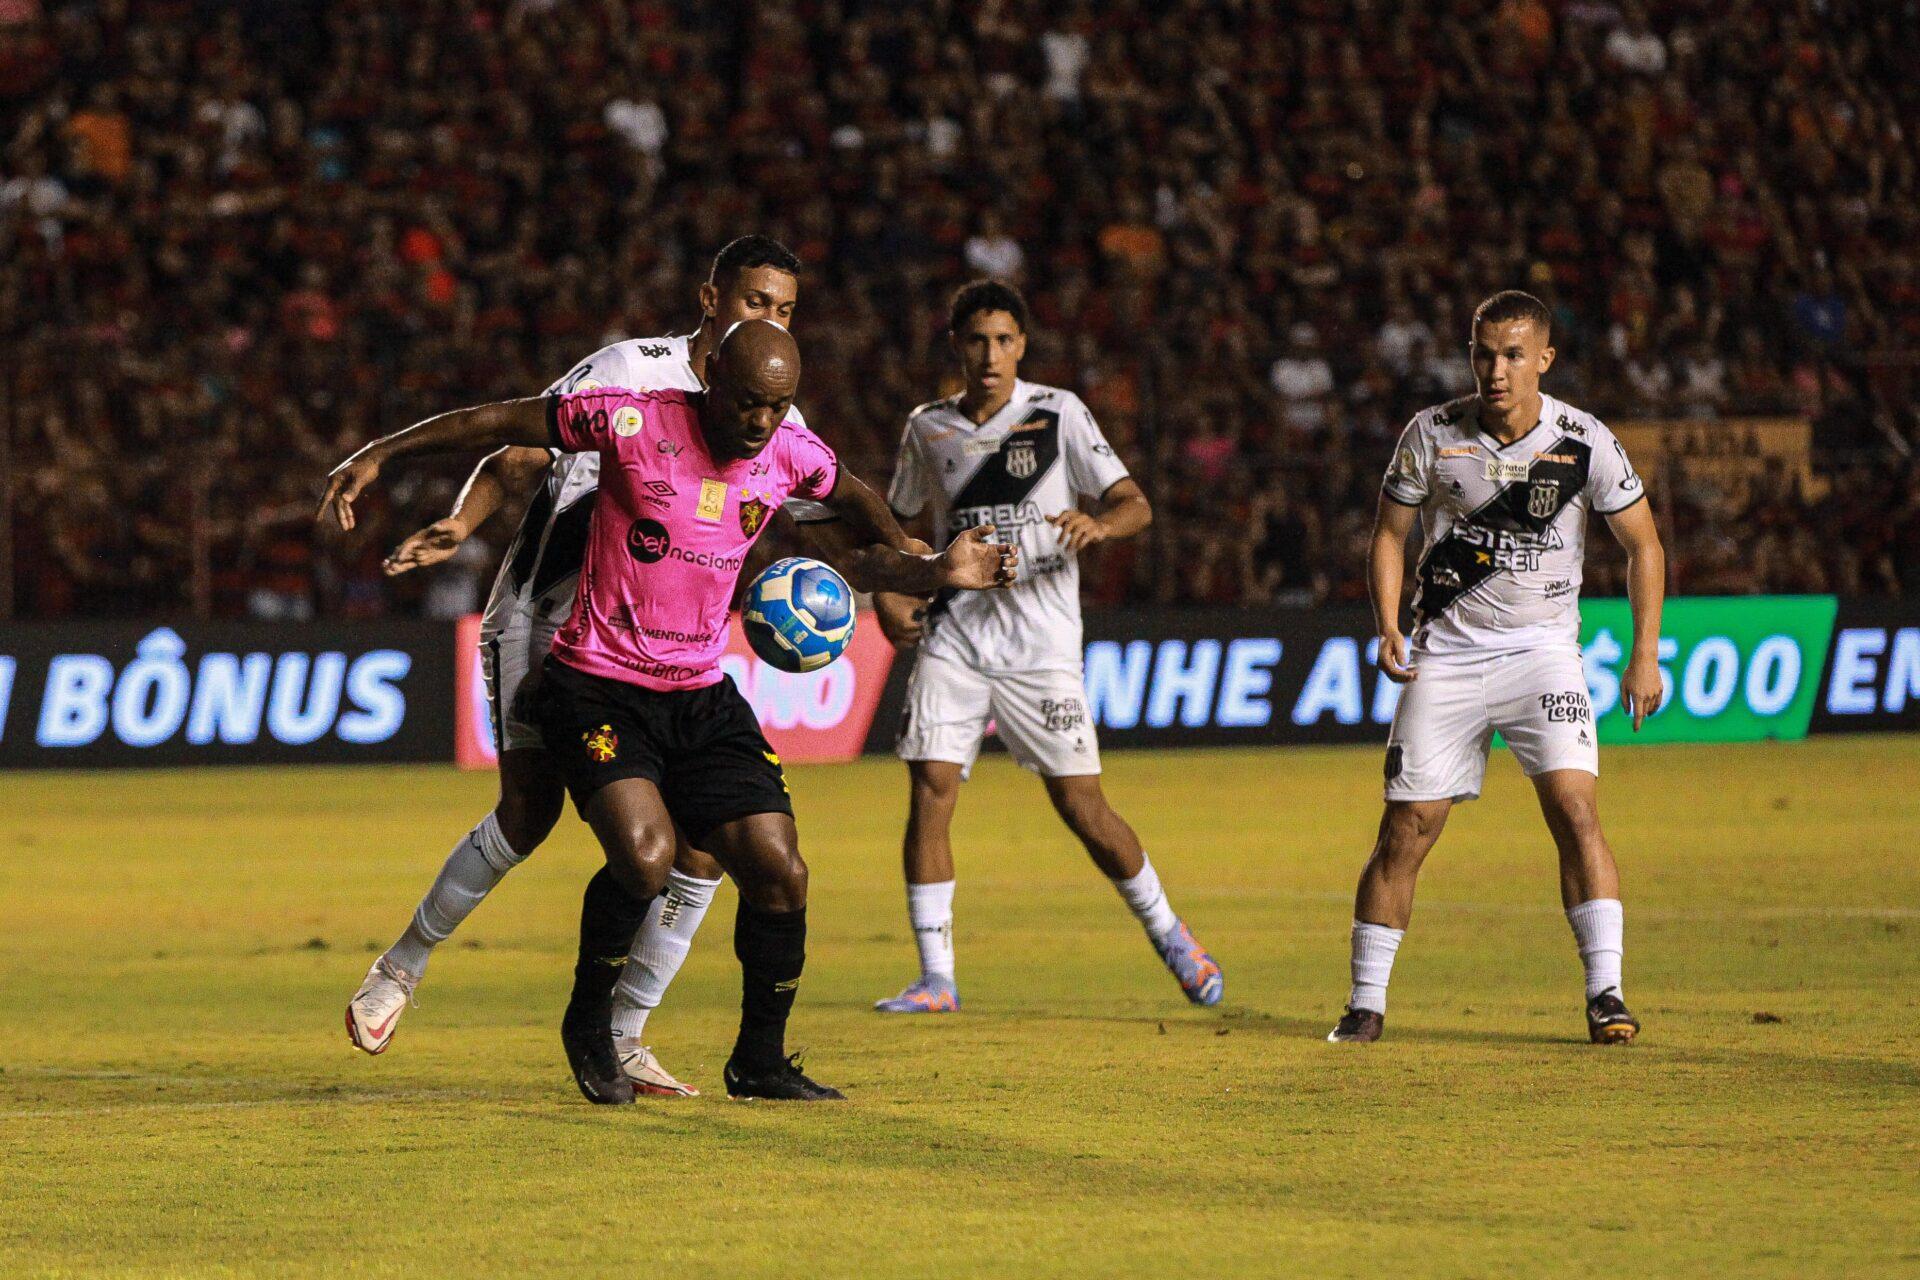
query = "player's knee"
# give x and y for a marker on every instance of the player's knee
(781, 886)
(1084, 809)
(935, 791)
(1407, 832)
(1578, 816)
(645, 855)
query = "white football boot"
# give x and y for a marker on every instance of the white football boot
(639, 1065)
(374, 1012)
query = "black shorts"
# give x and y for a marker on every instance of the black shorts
(702, 747)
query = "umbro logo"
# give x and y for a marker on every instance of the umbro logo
(658, 492)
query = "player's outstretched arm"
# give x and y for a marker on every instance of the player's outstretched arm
(1386, 575)
(1124, 511)
(500, 473)
(1640, 687)
(884, 561)
(486, 426)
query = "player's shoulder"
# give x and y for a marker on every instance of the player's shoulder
(657, 363)
(933, 411)
(1574, 422)
(1057, 399)
(1445, 423)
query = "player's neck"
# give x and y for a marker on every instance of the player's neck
(982, 403)
(1510, 425)
(697, 348)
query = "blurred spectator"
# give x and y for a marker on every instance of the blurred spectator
(237, 240)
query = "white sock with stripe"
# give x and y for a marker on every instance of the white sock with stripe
(930, 912)
(478, 863)
(659, 949)
(1148, 901)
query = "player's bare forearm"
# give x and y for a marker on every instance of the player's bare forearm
(1646, 573)
(869, 520)
(1641, 687)
(1386, 575)
(502, 473)
(487, 426)
(1126, 510)
(1387, 563)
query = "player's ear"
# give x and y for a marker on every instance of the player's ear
(709, 299)
(1546, 358)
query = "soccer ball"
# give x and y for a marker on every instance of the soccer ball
(798, 614)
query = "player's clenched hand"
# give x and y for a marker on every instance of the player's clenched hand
(1078, 529)
(427, 547)
(344, 484)
(1641, 690)
(972, 563)
(1393, 658)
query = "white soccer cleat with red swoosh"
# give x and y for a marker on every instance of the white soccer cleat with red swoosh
(374, 1012)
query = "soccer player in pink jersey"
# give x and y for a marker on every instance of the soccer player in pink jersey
(646, 731)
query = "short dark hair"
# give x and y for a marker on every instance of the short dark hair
(1514, 304)
(749, 252)
(985, 295)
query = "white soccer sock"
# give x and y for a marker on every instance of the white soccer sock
(1599, 928)
(930, 911)
(659, 949)
(1374, 946)
(1148, 901)
(476, 864)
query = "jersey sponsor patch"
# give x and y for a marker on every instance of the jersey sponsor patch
(1507, 470)
(713, 501)
(627, 421)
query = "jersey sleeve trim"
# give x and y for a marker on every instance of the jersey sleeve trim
(555, 441)
(1393, 497)
(1638, 498)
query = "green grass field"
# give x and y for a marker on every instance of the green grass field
(178, 1097)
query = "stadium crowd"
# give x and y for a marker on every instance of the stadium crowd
(238, 239)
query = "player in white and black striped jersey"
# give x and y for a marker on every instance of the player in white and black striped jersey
(753, 277)
(1021, 457)
(1503, 482)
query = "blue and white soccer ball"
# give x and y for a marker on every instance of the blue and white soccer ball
(798, 615)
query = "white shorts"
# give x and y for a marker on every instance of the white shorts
(507, 657)
(1536, 699)
(1042, 717)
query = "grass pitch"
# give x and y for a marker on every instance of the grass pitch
(178, 1096)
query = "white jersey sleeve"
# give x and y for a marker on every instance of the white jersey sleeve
(1612, 483)
(607, 367)
(1092, 465)
(1409, 477)
(912, 483)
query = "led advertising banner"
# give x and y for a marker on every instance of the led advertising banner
(1872, 677)
(1735, 669)
(105, 694)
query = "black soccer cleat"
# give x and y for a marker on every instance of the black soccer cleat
(783, 1081)
(596, 1068)
(1357, 1026)
(1608, 1021)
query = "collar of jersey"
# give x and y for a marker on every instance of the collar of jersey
(1020, 390)
(1493, 442)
